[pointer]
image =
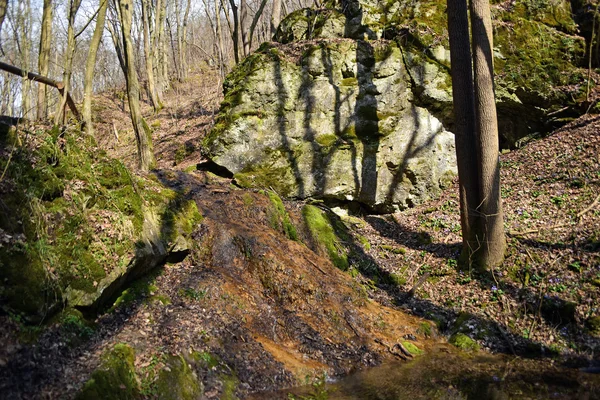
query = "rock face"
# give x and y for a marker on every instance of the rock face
(340, 121)
(337, 111)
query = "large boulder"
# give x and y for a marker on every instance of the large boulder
(335, 119)
(356, 104)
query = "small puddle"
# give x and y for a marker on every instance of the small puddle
(443, 375)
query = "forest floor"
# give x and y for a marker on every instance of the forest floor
(547, 292)
(544, 299)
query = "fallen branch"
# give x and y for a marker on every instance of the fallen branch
(397, 349)
(45, 80)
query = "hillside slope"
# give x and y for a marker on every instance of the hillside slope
(258, 303)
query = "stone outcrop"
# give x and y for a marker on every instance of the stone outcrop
(337, 110)
(339, 120)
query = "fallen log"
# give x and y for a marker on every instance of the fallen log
(45, 80)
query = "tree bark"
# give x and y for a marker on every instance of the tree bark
(141, 129)
(90, 65)
(41, 79)
(490, 207)
(464, 125)
(236, 32)
(179, 45)
(3, 7)
(255, 19)
(243, 28)
(24, 23)
(44, 59)
(183, 51)
(275, 16)
(116, 38)
(149, 55)
(219, 33)
(69, 55)
(161, 47)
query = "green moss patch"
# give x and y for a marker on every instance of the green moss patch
(412, 348)
(177, 381)
(322, 231)
(115, 378)
(463, 342)
(280, 219)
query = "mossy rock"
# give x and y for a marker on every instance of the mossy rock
(115, 379)
(463, 342)
(177, 381)
(74, 221)
(412, 348)
(307, 24)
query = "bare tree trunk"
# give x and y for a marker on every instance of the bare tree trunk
(236, 32)
(3, 7)
(42, 79)
(113, 28)
(255, 19)
(243, 27)
(70, 53)
(220, 38)
(24, 23)
(90, 64)
(183, 64)
(177, 57)
(149, 55)
(142, 131)
(44, 59)
(490, 208)
(160, 46)
(275, 16)
(464, 125)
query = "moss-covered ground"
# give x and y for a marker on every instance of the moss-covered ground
(73, 215)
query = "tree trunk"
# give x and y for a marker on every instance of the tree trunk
(275, 16)
(464, 125)
(24, 21)
(161, 48)
(236, 32)
(3, 7)
(90, 64)
(69, 55)
(149, 55)
(490, 208)
(243, 27)
(44, 59)
(255, 19)
(179, 45)
(113, 28)
(220, 38)
(183, 64)
(141, 129)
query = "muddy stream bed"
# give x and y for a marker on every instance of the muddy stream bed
(445, 374)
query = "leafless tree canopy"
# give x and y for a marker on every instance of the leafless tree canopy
(59, 39)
